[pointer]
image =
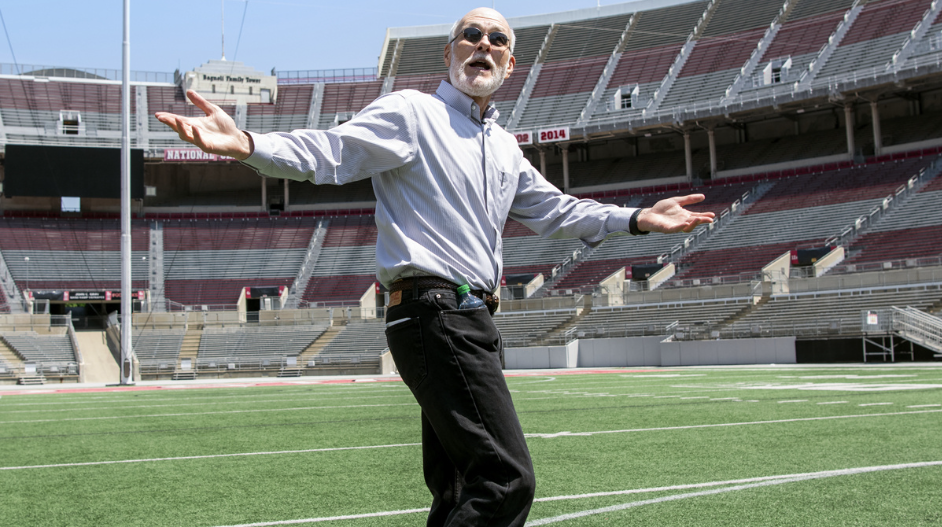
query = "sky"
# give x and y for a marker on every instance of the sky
(182, 34)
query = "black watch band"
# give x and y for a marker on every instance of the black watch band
(633, 225)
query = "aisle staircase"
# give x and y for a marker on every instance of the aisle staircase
(918, 327)
(189, 350)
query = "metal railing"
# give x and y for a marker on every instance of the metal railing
(327, 76)
(919, 327)
(759, 98)
(84, 73)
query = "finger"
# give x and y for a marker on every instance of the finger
(198, 139)
(689, 199)
(184, 129)
(168, 119)
(201, 103)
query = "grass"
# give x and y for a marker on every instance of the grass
(642, 430)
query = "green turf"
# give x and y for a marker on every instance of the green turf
(645, 431)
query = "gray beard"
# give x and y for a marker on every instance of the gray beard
(476, 87)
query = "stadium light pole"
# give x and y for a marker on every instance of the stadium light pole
(126, 366)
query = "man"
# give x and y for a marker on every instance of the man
(446, 178)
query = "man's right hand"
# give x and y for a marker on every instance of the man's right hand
(215, 133)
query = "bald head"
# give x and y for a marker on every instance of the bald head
(483, 17)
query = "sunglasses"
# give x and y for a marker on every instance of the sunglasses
(473, 35)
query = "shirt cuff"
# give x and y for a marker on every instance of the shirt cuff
(624, 220)
(633, 224)
(261, 155)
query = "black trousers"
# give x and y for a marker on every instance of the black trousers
(475, 456)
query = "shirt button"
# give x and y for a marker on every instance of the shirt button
(438, 296)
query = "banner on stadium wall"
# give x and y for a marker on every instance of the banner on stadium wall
(552, 135)
(79, 296)
(192, 155)
(524, 138)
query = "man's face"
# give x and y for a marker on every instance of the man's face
(478, 69)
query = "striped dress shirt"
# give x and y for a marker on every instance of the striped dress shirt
(445, 183)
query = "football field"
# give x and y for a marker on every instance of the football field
(771, 445)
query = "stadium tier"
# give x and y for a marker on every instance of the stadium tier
(803, 122)
(60, 253)
(48, 349)
(158, 349)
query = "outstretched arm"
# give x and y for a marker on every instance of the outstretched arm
(215, 132)
(670, 216)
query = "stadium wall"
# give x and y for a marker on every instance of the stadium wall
(652, 351)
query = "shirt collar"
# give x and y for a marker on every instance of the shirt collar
(460, 101)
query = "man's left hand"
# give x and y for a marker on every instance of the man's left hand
(669, 215)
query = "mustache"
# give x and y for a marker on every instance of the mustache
(485, 57)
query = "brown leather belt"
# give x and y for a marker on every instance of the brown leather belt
(424, 283)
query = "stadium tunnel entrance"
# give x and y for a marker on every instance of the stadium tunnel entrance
(88, 309)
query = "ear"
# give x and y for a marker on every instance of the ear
(510, 66)
(447, 55)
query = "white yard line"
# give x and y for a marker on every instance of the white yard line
(154, 396)
(211, 456)
(740, 484)
(144, 416)
(719, 425)
(779, 481)
(173, 405)
(543, 436)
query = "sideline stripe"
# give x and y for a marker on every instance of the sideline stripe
(332, 518)
(755, 482)
(396, 378)
(780, 481)
(144, 416)
(211, 456)
(4, 411)
(545, 436)
(718, 425)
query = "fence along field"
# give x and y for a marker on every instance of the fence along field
(685, 446)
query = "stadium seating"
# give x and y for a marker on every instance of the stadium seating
(210, 261)
(801, 37)
(48, 349)
(908, 232)
(254, 347)
(526, 328)
(346, 99)
(288, 113)
(878, 32)
(571, 69)
(836, 186)
(650, 50)
(359, 342)
(70, 252)
(821, 313)
(347, 263)
(157, 348)
(641, 320)
(726, 43)
(208, 257)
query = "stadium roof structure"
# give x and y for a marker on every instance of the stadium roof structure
(624, 71)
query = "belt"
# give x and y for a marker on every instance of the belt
(424, 283)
